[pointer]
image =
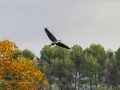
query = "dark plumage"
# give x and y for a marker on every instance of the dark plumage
(54, 40)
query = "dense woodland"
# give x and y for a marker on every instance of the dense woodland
(93, 68)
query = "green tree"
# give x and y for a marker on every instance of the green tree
(29, 55)
(108, 68)
(55, 63)
(98, 52)
(63, 69)
(45, 63)
(19, 52)
(117, 54)
(91, 70)
(60, 52)
(110, 53)
(76, 56)
(47, 54)
(111, 72)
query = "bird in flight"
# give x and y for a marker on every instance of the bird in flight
(54, 40)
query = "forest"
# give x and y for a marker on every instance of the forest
(93, 68)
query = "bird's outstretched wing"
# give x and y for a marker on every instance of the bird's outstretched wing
(51, 37)
(62, 45)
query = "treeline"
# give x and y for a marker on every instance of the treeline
(18, 72)
(93, 68)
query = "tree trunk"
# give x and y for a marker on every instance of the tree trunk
(95, 81)
(75, 80)
(90, 84)
(79, 81)
(50, 86)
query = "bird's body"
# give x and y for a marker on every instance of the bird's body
(54, 40)
(53, 43)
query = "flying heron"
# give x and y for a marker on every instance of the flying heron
(54, 40)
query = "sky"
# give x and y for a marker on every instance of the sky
(81, 22)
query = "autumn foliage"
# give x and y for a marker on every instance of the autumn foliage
(20, 74)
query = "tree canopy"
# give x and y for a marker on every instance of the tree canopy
(93, 68)
(78, 69)
(18, 74)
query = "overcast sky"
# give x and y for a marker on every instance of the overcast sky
(80, 22)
